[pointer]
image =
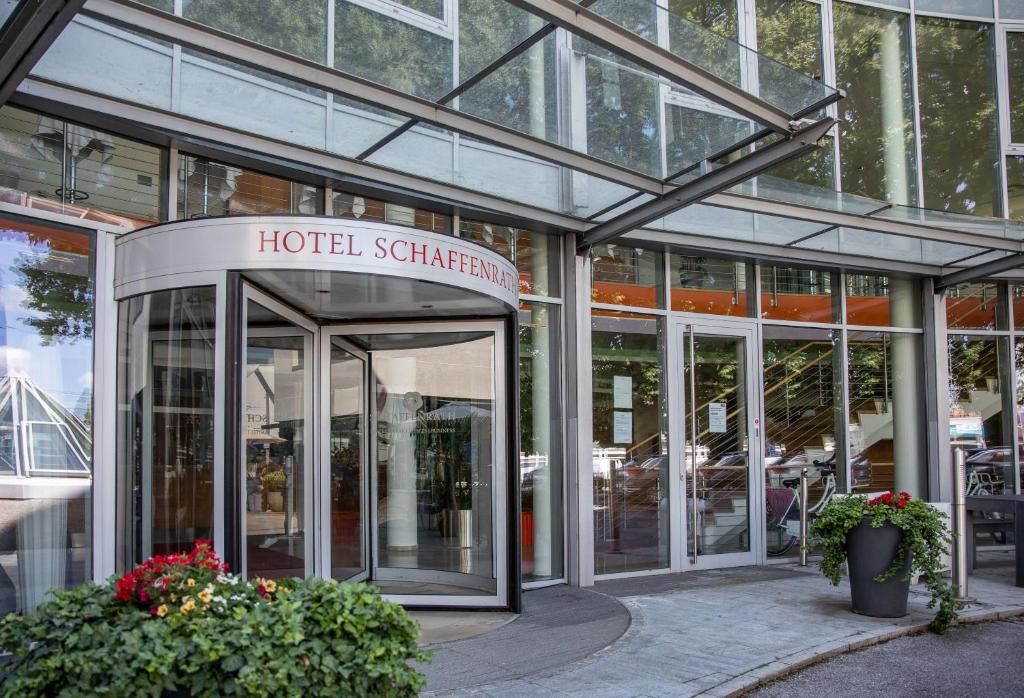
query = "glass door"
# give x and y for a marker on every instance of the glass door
(345, 455)
(720, 433)
(417, 457)
(277, 438)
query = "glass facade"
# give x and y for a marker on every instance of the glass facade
(47, 292)
(834, 352)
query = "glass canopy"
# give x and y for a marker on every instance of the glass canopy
(480, 94)
(582, 114)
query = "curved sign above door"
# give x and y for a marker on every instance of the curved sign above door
(239, 243)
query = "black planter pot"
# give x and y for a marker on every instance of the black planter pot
(869, 552)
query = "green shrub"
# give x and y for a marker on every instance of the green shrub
(228, 637)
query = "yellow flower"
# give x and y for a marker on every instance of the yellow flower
(189, 605)
(161, 610)
(174, 598)
(191, 582)
(205, 596)
(270, 585)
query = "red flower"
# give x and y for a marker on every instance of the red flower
(153, 611)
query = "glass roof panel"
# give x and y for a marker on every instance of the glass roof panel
(728, 60)
(431, 48)
(623, 207)
(441, 156)
(996, 227)
(791, 192)
(869, 243)
(732, 224)
(592, 194)
(624, 123)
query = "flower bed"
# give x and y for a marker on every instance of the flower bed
(183, 624)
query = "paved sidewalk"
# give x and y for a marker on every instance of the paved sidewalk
(723, 632)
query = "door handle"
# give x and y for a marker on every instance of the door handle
(691, 351)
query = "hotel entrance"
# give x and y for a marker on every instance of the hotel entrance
(317, 421)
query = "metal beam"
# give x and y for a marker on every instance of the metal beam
(860, 221)
(593, 27)
(240, 51)
(725, 176)
(29, 31)
(996, 266)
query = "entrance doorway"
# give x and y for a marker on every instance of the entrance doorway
(376, 452)
(719, 432)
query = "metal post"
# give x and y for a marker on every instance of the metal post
(960, 523)
(803, 517)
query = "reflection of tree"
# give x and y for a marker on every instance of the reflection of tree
(956, 69)
(62, 297)
(859, 33)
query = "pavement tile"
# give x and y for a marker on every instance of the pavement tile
(716, 636)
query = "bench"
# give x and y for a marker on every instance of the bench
(976, 526)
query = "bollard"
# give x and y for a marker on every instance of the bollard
(803, 517)
(960, 523)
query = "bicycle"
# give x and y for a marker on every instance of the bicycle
(782, 509)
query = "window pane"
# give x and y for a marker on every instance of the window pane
(975, 306)
(165, 422)
(803, 417)
(692, 134)
(631, 514)
(816, 168)
(959, 130)
(1015, 72)
(790, 32)
(882, 301)
(622, 112)
(1017, 300)
(979, 422)
(391, 52)
(207, 188)
(296, 26)
(627, 276)
(707, 285)
(1015, 185)
(716, 15)
(522, 94)
(277, 455)
(46, 296)
(434, 8)
(540, 461)
(876, 127)
(56, 166)
(363, 208)
(886, 441)
(536, 256)
(789, 293)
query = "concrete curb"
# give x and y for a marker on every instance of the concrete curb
(780, 668)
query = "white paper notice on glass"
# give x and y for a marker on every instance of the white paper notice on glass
(622, 426)
(716, 417)
(622, 392)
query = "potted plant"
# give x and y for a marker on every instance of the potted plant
(273, 483)
(886, 541)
